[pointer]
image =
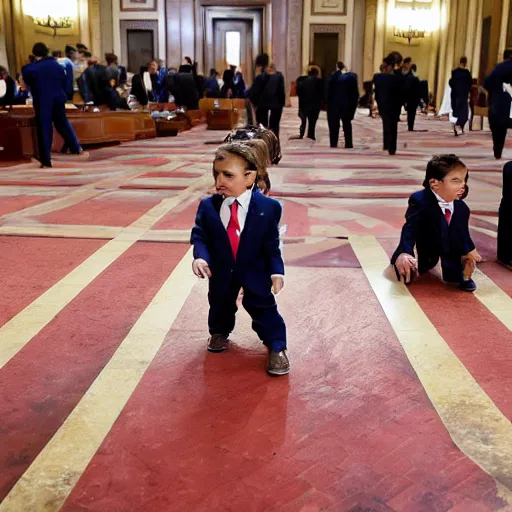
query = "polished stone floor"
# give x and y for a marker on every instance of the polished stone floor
(399, 399)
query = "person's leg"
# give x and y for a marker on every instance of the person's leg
(499, 135)
(221, 317)
(333, 121)
(347, 130)
(303, 121)
(411, 118)
(312, 119)
(64, 128)
(453, 270)
(266, 320)
(275, 120)
(44, 127)
(393, 135)
(505, 218)
(385, 130)
(262, 116)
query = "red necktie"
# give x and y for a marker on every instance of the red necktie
(448, 216)
(233, 229)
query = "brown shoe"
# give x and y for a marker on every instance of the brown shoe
(278, 363)
(217, 343)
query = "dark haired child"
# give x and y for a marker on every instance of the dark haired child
(437, 225)
(236, 244)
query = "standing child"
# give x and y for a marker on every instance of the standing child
(236, 244)
(437, 224)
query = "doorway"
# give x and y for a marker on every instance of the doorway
(233, 46)
(325, 53)
(141, 48)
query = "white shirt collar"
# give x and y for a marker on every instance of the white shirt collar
(444, 205)
(243, 200)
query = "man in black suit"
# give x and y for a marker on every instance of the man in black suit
(342, 97)
(310, 91)
(505, 219)
(499, 102)
(412, 93)
(268, 95)
(460, 83)
(10, 88)
(389, 100)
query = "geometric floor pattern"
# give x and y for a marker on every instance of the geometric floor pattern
(399, 399)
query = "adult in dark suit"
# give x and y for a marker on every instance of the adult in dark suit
(389, 100)
(342, 98)
(505, 219)
(268, 95)
(310, 91)
(8, 97)
(99, 90)
(186, 83)
(499, 102)
(412, 93)
(437, 225)
(47, 81)
(460, 83)
(139, 90)
(236, 245)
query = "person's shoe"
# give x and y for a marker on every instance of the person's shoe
(467, 285)
(217, 343)
(507, 264)
(349, 147)
(278, 363)
(392, 152)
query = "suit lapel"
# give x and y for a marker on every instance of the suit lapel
(252, 222)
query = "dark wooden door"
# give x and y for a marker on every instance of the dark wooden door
(140, 48)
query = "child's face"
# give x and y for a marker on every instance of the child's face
(232, 178)
(453, 185)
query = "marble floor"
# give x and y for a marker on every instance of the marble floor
(399, 399)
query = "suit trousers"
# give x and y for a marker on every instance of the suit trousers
(499, 134)
(411, 117)
(47, 115)
(266, 320)
(270, 118)
(309, 117)
(334, 117)
(505, 217)
(390, 129)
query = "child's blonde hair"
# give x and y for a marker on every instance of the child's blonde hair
(254, 152)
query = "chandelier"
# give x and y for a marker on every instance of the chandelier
(52, 14)
(410, 33)
(413, 22)
(54, 23)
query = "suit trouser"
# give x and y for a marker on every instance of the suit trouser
(452, 268)
(266, 320)
(411, 117)
(505, 217)
(270, 118)
(47, 115)
(333, 119)
(310, 117)
(499, 134)
(390, 129)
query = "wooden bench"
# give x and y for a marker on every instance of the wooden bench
(221, 113)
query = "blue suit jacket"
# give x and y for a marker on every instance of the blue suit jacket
(46, 79)
(343, 93)
(499, 100)
(259, 255)
(426, 228)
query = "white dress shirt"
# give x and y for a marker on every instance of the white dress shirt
(443, 204)
(244, 201)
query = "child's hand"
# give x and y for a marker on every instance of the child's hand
(469, 261)
(201, 268)
(407, 267)
(277, 284)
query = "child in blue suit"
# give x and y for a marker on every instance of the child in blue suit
(236, 244)
(437, 225)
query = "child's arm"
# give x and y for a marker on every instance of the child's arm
(470, 255)
(199, 239)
